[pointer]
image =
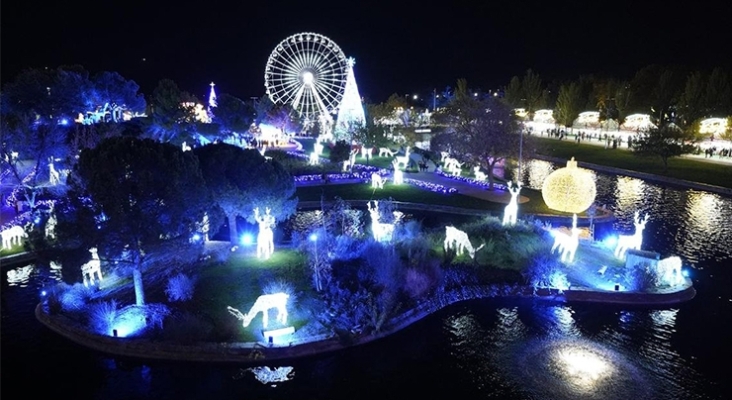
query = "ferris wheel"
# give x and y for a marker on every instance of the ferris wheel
(308, 71)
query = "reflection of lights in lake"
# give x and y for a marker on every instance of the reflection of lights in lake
(581, 367)
(664, 318)
(703, 209)
(565, 321)
(270, 375)
(629, 193)
(20, 276)
(571, 368)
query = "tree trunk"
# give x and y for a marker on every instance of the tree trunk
(137, 278)
(491, 179)
(232, 229)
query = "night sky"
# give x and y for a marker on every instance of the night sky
(398, 47)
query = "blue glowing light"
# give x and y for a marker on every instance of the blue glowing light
(129, 322)
(685, 273)
(43, 293)
(196, 237)
(247, 239)
(313, 237)
(610, 242)
(64, 121)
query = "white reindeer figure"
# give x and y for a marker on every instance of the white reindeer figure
(382, 232)
(366, 152)
(314, 159)
(479, 175)
(567, 244)
(13, 235)
(92, 268)
(511, 211)
(318, 148)
(185, 147)
(458, 240)
(263, 304)
(377, 182)
(53, 175)
(453, 166)
(403, 159)
(348, 164)
(385, 152)
(444, 156)
(398, 176)
(265, 238)
(633, 241)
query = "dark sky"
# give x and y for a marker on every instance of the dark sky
(399, 46)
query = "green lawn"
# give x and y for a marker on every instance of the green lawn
(239, 281)
(412, 194)
(679, 168)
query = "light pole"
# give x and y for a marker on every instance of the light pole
(434, 100)
(521, 149)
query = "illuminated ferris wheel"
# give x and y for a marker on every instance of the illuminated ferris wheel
(308, 71)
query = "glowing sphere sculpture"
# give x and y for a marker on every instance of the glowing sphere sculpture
(570, 189)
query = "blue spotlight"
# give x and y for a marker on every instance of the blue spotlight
(247, 239)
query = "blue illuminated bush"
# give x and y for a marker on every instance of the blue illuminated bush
(281, 286)
(545, 272)
(640, 278)
(180, 288)
(102, 316)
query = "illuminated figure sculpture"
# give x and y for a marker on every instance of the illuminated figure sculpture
(51, 227)
(366, 152)
(268, 375)
(92, 268)
(385, 152)
(458, 240)
(479, 175)
(382, 232)
(398, 175)
(569, 189)
(567, 244)
(318, 148)
(511, 210)
(12, 235)
(377, 182)
(314, 159)
(348, 164)
(265, 239)
(403, 159)
(668, 271)
(185, 147)
(53, 175)
(633, 241)
(263, 304)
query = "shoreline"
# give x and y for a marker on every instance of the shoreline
(256, 353)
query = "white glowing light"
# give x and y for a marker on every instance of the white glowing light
(385, 152)
(382, 232)
(212, 96)
(53, 175)
(567, 244)
(458, 240)
(511, 210)
(19, 275)
(263, 304)
(318, 146)
(588, 118)
(13, 236)
(398, 177)
(402, 160)
(269, 375)
(350, 110)
(314, 159)
(713, 126)
(669, 272)
(377, 182)
(199, 111)
(185, 147)
(637, 122)
(366, 152)
(582, 367)
(569, 189)
(308, 71)
(479, 175)
(265, 238)
(521, 113)
(452, 165)
(544, 116)
(92, 269)
(633, 241)
(50, 229)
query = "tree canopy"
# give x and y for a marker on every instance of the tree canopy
(666, 141)
(141, 193)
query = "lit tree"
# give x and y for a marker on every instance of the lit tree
(568, 104)
(141, 194)
(666, 142)
(240, 180)
(170, 115)
(121, 95)
(484, 130)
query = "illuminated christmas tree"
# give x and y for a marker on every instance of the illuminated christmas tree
(350, 111)
(212, 97)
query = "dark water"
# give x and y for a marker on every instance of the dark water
(490, 349)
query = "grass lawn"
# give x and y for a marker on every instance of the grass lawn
(679, 168)
(14, 249)
(238, 282)
(412, 194)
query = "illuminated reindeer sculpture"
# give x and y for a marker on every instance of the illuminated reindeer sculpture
(263, 304)
(458, 240)
(385, 152)
(92, 268)
(511, 210)
(377, 182)
(633, 241)
(567, 244)
(265, 238)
